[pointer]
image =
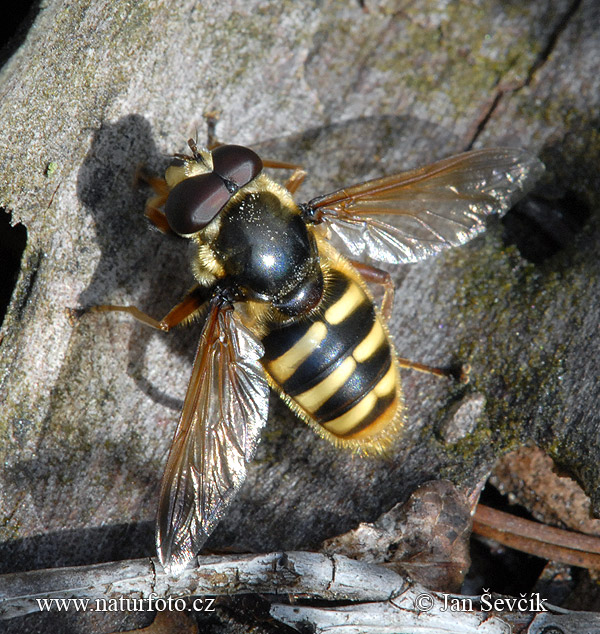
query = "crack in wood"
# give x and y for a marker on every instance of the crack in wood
(502, 90)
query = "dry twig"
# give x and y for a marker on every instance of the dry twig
(384, 601)
(548, 542)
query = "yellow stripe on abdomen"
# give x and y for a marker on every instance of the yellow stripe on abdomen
(335, 368)
(345, 423)
(285, 365)
(371, 412)
(344, 307)
(371, 343)
(314, 398)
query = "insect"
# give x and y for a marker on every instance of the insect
(284, 309)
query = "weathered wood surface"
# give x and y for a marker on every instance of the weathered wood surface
(386, 601)
(303, 574)
(386, 598)
(97, 88)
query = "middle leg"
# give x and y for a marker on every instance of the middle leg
(183, 311)
(382, 278)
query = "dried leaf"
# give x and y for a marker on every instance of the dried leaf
(426, 538)
(528, 476)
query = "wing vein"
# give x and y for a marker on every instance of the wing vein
(216, 437)
(427, 209)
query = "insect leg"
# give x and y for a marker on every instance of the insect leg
(157, 218)
(297, 177)
(378, 276)
(421, 367)
(211, 119)
(458, 373)
(383, 278)
(152, 210)
(194, 300)
(159, 185)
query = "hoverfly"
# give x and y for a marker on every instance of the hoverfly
(286, 310)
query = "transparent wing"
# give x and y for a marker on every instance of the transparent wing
(224, 410)
(413, 215)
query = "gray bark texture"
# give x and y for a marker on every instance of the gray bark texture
(351, 91)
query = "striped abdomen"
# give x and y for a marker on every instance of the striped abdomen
(337, 368)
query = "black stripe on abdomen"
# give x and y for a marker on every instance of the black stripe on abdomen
(332, 363)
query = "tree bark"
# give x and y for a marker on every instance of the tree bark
(350, 91)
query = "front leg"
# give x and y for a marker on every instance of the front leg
(182, 312)
(295, 180)
(153, 209)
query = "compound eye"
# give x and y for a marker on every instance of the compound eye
(236, 164)
(195, 201)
